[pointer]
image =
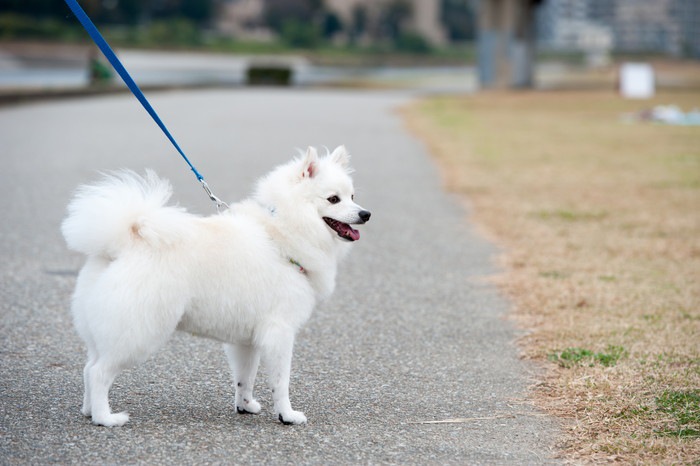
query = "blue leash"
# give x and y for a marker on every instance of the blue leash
(134, 88)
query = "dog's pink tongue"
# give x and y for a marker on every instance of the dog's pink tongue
(351, 233)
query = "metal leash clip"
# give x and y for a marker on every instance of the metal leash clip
(219, 202)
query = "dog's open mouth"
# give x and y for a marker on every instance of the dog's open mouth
(344, 230)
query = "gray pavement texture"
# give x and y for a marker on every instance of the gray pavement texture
(413, 333)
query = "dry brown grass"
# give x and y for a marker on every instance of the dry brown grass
(669, 73)
(600, 224)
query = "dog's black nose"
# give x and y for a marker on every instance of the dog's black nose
(364, 215)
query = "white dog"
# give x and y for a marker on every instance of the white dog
(248, 277)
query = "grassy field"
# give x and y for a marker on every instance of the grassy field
(599, 221)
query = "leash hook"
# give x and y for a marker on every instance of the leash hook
(219, 202)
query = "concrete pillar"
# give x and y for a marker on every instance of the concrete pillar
(505, 43)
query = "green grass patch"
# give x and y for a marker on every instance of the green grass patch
(684, 407)
(571, 357)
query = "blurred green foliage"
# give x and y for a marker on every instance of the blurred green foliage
(298, 24)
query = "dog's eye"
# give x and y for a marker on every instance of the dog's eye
(352, 197)
(334, 199)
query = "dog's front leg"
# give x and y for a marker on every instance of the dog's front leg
(243, 360)
(277, 356)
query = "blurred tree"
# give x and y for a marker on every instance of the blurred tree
(37, 8)
(198, 10)
(412, 42)
(176, 31)
(127, 12)
(300, 23)
(359, 23)
(459, 19)
(277, 12)
(299, 34)
(331, 25)
(130, 11)
(393, 17)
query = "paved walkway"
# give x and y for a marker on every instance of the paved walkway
(413, 333)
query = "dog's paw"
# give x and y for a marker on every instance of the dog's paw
(111, 420)
(248, 407)
(292, 417)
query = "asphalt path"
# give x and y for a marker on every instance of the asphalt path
(414, 332)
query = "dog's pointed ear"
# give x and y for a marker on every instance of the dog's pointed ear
(341, 156)
(310, 163)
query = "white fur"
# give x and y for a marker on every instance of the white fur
(153, 269)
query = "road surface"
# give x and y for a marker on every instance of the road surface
(414, 332)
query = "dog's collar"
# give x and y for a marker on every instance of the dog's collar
(301, 267)
(273, 211)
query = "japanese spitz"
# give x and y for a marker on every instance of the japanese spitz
(248, 277)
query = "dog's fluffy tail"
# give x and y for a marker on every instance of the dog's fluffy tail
(119, 211)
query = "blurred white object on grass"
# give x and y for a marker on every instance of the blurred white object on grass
(636, 81)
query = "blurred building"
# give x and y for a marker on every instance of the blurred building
(573, 24)
(642, 26)
(639, 26)
(687, 14)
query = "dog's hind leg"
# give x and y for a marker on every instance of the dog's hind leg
(100, 376)
(244, 360)
(277, 357)
(87, 405)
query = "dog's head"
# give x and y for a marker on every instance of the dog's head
(317, 189)
(330, 188)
